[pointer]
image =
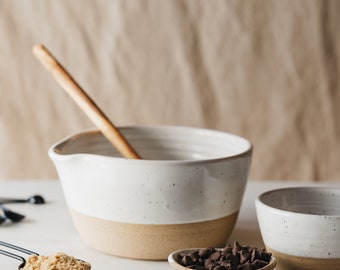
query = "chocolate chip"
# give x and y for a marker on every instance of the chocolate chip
(229, 258)
(204, 253)
(187, 261)
(233, 259)
(208, 263)
(215, 256)
(220, 267)
(244, 256)
(265, 256)
(236, 248)
(227, 249)
(245, 266)
(213, 265)
(255, 255)
(194, 256)
(226, 264)
(258, 264)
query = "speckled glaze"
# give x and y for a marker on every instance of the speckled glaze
(187, 175)
(301, 226)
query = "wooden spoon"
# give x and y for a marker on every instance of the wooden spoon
(84, 102)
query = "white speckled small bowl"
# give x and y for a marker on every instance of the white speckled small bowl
(186, 192)
(301, 227)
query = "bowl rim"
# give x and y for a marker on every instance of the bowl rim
(55, 152)
(259, 200)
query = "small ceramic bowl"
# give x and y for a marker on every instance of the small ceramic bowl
(185, 192)
(173, 261)
(301, 227)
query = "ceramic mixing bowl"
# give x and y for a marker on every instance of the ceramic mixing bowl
(185, 192)
(301, 227)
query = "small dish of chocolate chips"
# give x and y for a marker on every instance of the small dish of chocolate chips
(231, 257)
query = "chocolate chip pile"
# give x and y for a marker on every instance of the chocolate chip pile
(234, 257)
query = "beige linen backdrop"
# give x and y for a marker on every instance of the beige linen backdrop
(265, 70)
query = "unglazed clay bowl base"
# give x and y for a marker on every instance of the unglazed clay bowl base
(158, 241)
(289, 262)
(186, 191)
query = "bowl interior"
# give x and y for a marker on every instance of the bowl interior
(161, 143)
(304, 200)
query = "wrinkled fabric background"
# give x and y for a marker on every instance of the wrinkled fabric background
(265, 70)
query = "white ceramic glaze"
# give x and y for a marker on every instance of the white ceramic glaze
(303, 222)
(186, 175)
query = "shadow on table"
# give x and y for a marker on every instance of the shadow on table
(246, 237)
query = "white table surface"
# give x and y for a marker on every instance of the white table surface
(48, 229)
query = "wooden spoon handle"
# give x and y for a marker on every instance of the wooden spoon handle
(84, 102)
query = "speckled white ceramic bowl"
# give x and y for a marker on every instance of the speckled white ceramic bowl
(301, 227)
(185, 192)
